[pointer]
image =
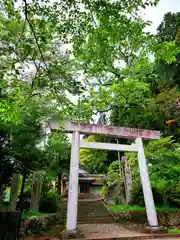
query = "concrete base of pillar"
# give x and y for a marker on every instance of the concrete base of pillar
(155, 229)
(71, 235)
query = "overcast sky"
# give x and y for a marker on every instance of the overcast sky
(155, 14)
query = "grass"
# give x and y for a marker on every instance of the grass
(176, 230)
(26, 215)
(120, 208)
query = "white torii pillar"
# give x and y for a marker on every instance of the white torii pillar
(146, 186)
(73, 190)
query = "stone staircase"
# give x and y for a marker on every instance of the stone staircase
(92, 211)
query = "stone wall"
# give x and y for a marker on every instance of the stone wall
(35, 224)
(165, 218)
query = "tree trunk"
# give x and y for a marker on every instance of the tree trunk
(2, 187)
(36, 191)
(59, 184)
(14, 191)
(21, 196)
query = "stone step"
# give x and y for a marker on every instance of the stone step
(101, 208)
(95, 219)
(91, 206)
(89, 209)
(92, 212)
(94, 216)
(92, 209)
(99, 221)
(99, 218)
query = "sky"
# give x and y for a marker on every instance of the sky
(155, 14)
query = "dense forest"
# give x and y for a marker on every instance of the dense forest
(88, 61)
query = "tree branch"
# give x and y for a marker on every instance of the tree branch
(23, 29)
(102, 111)
(38, 46)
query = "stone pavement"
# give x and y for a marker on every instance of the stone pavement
(104, 231)
(107, 230)
(118, 231)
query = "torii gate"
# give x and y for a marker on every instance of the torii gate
(118, 132)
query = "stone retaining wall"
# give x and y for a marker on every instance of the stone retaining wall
(35, 224)
(164, 218)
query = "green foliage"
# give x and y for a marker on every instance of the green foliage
(20, 143)
(168, 31)
(165, 186)
(40, 37)
(132, 98)
(27, 215)
(175, 230)
(93, 159)
(113, 188)
(164, 170)
(119, 208)
(25, 140)
(113, 174)
(58, 153)
(3, 206)
(162, 151)
(49, 202)
(137, 197)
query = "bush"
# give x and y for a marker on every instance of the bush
(103, 191)
(4, 205)
(137, 194)
(118, 199)
(165, 185)
(49, 203)
(173, 192)
(138, 197)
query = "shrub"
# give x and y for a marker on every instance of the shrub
(138, 197)
(173, 192)
(103, 191)
(3, 206)
(49, 203)
(137, 194)
(165, 185)
(118, 199)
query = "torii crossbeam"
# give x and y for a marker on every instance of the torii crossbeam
(92, 129)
